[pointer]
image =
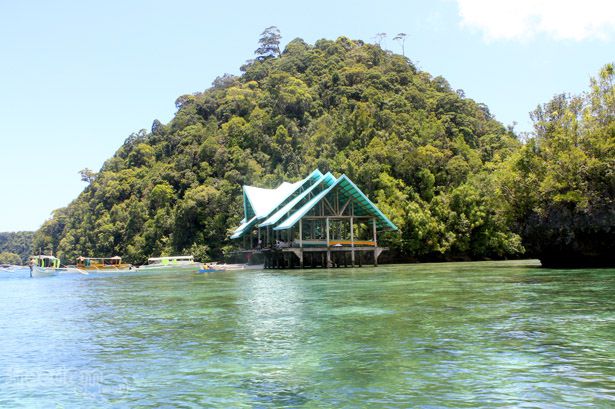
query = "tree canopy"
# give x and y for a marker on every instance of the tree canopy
(10, 258)
(19, 243)
(559, 188)
(436, 162)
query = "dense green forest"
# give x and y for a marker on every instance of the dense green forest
(558, 190)
(15, 244)
(458, 183)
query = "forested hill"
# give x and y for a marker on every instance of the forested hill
(16, 244)
(423, 152)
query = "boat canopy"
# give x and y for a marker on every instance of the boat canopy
(170, 259)
(41, 257)
(99, 258)
(46, 261)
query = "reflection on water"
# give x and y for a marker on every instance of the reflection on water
(435, 335)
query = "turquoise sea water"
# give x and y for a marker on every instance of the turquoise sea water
(489, 334)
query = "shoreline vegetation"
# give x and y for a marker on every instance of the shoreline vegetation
(15, 247)
(458, 183)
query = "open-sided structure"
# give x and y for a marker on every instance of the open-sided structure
(321, 220)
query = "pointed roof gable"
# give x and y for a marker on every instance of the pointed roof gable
(328, 179)
(263, 201)
(278, 204)
(260, 202)
(364, 206)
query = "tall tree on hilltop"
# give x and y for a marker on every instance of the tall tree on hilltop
(401, 37)
(269, 44)
(87, 175)
(380, 37)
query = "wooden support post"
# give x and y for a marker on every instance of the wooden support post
(301, 258)
(351, 241)
(375, 244)
(327, 227)
(328, 248)
(312, 229)
(301, 234)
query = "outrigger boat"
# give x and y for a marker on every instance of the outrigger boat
(214, 267)
(45, 266)
(171, 263)
(103, 264)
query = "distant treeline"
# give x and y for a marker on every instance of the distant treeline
(456, 181)
(19, 243)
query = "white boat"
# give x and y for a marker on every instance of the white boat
(171, 263)
(45, 266)
(213, 267)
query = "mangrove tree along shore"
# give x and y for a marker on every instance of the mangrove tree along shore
(456, 181)
(558, 190)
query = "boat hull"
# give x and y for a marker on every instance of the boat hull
(168, 268)
(123, 268)
(216, 268)
(46, 271)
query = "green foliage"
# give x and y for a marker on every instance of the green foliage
(10, 258)
(269, 43)
(457, 182)
(559, 189)
(19, 243)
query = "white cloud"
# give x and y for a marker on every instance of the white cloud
(524, 19)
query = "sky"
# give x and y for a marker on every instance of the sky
(77, 78)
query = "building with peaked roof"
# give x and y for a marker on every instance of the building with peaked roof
(320, 220)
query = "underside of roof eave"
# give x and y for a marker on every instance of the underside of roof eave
(244, 228)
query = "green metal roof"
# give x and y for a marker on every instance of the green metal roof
(347, 189)
(261, 202)
(328, 179)
(244, 228)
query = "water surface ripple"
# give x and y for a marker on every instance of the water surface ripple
(489, 334)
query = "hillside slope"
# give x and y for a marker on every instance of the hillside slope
(423, 152)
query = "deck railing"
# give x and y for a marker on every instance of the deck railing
(323, 243)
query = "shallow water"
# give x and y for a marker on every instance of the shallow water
(489, 334)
